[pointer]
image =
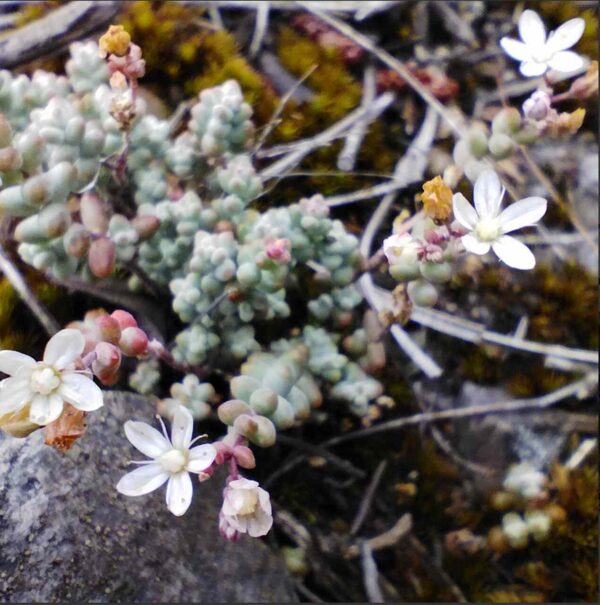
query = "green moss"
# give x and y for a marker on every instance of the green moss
(183, 54)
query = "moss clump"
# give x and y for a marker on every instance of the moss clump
(182, 52)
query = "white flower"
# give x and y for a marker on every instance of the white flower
(515, 530)
(525, 480)
(172, 460)
(246, 509)
(45, 385)
(537, 52)
(400, 248)
(489, 226)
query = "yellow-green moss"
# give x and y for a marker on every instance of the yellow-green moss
(181, 52)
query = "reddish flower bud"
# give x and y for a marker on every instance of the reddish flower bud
(109, 329)
(134, 342)
(244, 456)
(125, 319)
(107, 363)
(101, 257)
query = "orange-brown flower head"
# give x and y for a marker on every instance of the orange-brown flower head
(437, 199)
(115, 41)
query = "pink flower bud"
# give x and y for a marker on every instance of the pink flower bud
(107, 363)
(244, 456)
(125, 319)
(101, 257)
(109, 329)
(133, 342)
(537, 106)
(278, 250)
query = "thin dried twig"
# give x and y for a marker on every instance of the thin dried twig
(260, 29)
(367, 500)
(280, 107)
(347, 156)
(370, 574)
(388, 538)
(302, 148)
(315, 450)
(555, 195)
(471, 331)
(55, 30)
(17, 281)
(579, 388)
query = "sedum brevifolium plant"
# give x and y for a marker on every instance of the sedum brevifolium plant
(98, 188)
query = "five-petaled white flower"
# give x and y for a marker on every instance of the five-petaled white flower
(45, 385)
(489, 226)
(246, 509)
(172, 460)
(537, 52)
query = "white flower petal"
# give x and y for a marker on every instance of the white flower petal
(487, 194)
(81, 392)
(64, 348)
(11, 361)
(464, 213)
(14, 395)
(522, 213)
(146, 439)
(531, 69)
(512, 252)
(142, 480)
(532, 29)
(265, 500)
(182, 427)
(567, 35)
(517, 50)
(179, 493)
(472, 244)
(566, 61)
(259, 524)
(45, 408)
(201, 457)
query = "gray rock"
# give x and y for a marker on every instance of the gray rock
(67, 534)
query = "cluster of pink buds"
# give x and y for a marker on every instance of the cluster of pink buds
(107, 339)
(126, 66)
(278, 250)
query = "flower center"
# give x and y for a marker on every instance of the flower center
(488, 229)
(249, 502)
(541, 55)
(44, 381)
(173, 461)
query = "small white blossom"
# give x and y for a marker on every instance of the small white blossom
(488, 225)
(246, 509)
(45, 385)
(525, 480)
(538, 52)
(400, 248)
(538, 524)
(515, 530)
(172, 460)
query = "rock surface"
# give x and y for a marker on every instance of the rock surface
(67, 534)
